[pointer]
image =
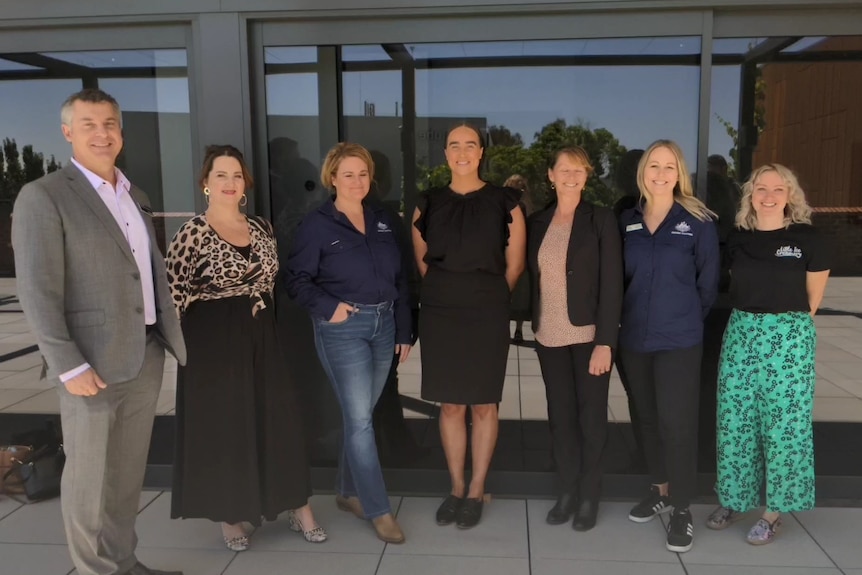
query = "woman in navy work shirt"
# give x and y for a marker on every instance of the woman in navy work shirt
(671, 260)
(345, 269)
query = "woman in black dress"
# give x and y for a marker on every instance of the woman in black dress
(240, 452)
(469, 240)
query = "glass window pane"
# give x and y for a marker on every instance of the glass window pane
(154, 100)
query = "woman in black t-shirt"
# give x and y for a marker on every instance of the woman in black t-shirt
(779, 270)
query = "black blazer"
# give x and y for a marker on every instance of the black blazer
(594, 269)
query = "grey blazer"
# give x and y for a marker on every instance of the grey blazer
(78, 282)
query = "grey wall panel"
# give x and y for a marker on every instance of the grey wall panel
(44, 9)
(220, 84)
(76, 38)
(802, 22)
(465, 28)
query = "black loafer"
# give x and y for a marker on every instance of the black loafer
(562, 510)
(585, 516)
(469, 514)
(448, 510)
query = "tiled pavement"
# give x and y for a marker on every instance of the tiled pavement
(512, 538)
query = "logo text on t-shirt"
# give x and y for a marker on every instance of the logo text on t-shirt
(788, 252)
(682, 229)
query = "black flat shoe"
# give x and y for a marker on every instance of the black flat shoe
(469, 514)
(562, 510)
(585, 516)
(448, 510)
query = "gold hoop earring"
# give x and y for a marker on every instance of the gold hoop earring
(243, 200)
(207, 195)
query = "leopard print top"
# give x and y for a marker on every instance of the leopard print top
(203, 266)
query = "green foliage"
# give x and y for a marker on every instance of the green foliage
(18, 169)
(507, 155)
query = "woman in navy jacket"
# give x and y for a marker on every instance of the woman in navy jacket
(670, 250)
(575, 264)
(345, 269)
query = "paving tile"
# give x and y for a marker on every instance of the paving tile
(501, 533)
(347, 533)
(529, 367)
(23, 362)
(10, 397)
(26, 379)
(643, 542)
(42, 522)
(756, 570)
(435, 565)
(34, 559)
(581, 567)
(824, 388)
(268, 563)
(792, 548)
(18, 337)
(837, 409)
(534, 403)
(156, 529)
(837, 531)
(165, 403)
(620, 408)
(46, 401)
(8, 506)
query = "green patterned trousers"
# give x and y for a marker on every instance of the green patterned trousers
(765, 402)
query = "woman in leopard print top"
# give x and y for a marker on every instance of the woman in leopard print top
(240, 449)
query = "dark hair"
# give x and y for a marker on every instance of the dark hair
(90, 95)
(469, 127)
(214, 151)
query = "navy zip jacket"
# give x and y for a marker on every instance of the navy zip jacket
(671, 280)
(331, 262)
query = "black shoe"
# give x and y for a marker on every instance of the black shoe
(562, 510)
(448, 510)
(141, 569)
(585, 517)
(680, 531)
(652, 505)
(469, 514)
(518, 337)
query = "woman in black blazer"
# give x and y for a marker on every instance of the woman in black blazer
(575, 262)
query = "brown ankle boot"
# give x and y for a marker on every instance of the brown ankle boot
(350, 504)
(388, 529)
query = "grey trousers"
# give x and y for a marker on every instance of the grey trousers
(107, 438)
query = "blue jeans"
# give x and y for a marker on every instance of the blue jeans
(356, 355)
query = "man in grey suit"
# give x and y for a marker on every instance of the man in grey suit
(92, 283)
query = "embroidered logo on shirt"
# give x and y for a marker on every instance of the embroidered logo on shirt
(788, 252)
(382, 227)
(682, 229)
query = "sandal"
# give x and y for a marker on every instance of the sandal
(763, 531)
(237, 543)
(315, 535)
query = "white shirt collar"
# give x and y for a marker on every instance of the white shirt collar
(96, 181)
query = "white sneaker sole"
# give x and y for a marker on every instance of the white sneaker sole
(679, 548)
(667, 509)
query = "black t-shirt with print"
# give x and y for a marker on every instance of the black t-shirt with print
(768, 269)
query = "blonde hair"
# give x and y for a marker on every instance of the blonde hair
(576, 153)
(683, 192)
(338, 153)
(797, 210)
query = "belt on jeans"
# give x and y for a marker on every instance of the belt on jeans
(151, 327)
(382, 306)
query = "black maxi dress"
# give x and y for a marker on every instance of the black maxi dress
(240, 451)
(464, 301)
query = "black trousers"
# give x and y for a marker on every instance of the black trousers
(665, 386)
(577, 414)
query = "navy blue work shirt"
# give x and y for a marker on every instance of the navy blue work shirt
(671, 280)
(332, 262)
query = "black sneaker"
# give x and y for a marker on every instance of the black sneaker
(680, 531)
(652, 505)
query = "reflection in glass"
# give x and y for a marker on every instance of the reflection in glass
(151, 87)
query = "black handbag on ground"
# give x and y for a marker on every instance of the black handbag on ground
(41, 471)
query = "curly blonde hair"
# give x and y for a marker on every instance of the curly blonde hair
(683, 192)
(797, 210)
